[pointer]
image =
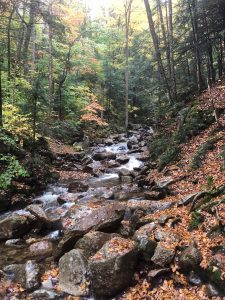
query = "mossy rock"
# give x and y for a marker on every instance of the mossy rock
(196, 220)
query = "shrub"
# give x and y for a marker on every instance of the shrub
(169, 156)
(11, 169)
(196, 220)
(201, 153)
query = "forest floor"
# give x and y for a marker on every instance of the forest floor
(208, 176)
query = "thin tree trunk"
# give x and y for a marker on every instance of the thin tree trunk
(127, 6)
(193, 15)
(1, 96)
(171, 42)
(9, 43)
(50, 66)
(158, 53)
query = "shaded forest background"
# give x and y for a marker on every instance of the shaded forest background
(62, 70)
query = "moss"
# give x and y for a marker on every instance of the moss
(171, 155)
(215, 276)
(201, 153)
(196, 220)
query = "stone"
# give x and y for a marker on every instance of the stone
(149, 206)
(211, 291)
(126, 179)
(5, 200)
(162, 236)
(154, 195)
(109, 142)
(112, 268)
(33, 275)
(145, 243)
(73, 274)
(194, 278)
(39, 214)
(77, 186)
(15, 243)
(124, 172)
(45, 295)
(164, 218)
(16, 273)
(190, 257)
(42, 248)
(163, 256)
(123, 159)
(92, 242)
(14, 226)
(104, 156)
(106, 218)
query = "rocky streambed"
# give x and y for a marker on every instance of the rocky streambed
(87, 237)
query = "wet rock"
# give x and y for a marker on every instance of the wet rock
(39, 214)
(43, 249)
(124, 172)
(104, 156)
(15, 243)
(32, 275)
(109, 142)
(5, 200)
(14, 226)
(106, 218)
(45, 295)
(16, 273)
(145, 243)
(77, 186)
(163, 256)
(158, 272)
(123, 159)
(92, 242)
(73, 274)
(112, 268)
(126, 179)
(211, 291)
(113, 164)
(194, 278)
(190, 257)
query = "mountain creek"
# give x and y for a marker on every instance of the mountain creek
(87, 237)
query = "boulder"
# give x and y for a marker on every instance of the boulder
(104, 156)
(194, 278)
(109, 142)
(15, 243)
(166, 236)
(126, 179)
(14, 226)
(5, 200)
(146, 244)
(73, 274)
(154, 195)
(122, 159)
(150, 206)
(211, 291)
(163, 256)
(124, 172)
(106, 218)
(40, 215)
(77, 186)
(112, 268)
(158, 272)
(27, 275)
(33, 275)
(190, 257)
(92, 242)
(42, 249)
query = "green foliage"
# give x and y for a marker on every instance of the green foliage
(171, 155)
(12, 169)
(196, 220)
(201, 153)
(194, 121)
(6, 139)
(158, 145)
(16, 123)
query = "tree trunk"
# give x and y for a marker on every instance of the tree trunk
(161, 69)
(1, 96)
(50, 66)
(194, 23)
(9, 43)
(127, 6)
(171, 42)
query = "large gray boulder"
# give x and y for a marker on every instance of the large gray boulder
(41, 249)
(92, 242)
(40, 215)
(146, 244)
(163, 256)
(73, 274)
(104, 156)
(106, 218)
(14, 226)
(112, 268)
